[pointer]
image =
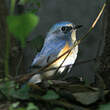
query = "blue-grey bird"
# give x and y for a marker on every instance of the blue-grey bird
(60, 38)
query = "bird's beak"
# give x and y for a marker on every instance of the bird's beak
(78, 26)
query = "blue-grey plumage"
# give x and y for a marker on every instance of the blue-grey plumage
(59, 39)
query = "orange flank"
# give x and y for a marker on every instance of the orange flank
(59, 61)
(66, 48)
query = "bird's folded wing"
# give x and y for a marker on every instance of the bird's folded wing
(47, 54)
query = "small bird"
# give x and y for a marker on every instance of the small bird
(60, 38)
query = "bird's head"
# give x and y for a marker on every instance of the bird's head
(63, 29)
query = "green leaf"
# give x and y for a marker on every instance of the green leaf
(50, 95)
(7, 87)
(8, 90)
(105, 107)
(21, 26)
(15, 106)
(22, 93)
(31, 106)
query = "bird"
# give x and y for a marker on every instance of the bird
(60, 38)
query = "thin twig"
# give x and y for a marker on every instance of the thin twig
(76, 64)
(18, 65)
(7, 52)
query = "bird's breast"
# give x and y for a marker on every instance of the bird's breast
(63, 50)
(69, 59)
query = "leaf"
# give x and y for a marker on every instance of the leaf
(21, 26)
(6, 88)
(31, 106)
(50, 95)
(105, 107)
(22, 93)
(15, 106)
(87, 98)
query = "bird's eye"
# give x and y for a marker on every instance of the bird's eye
(63, 29)
(66, 29)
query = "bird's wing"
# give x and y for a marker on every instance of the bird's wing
(48, 53)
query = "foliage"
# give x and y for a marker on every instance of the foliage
(20, 26)
(30, 106)
(57, 95)
(50, 95)
(105, 107)
(10, 90)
